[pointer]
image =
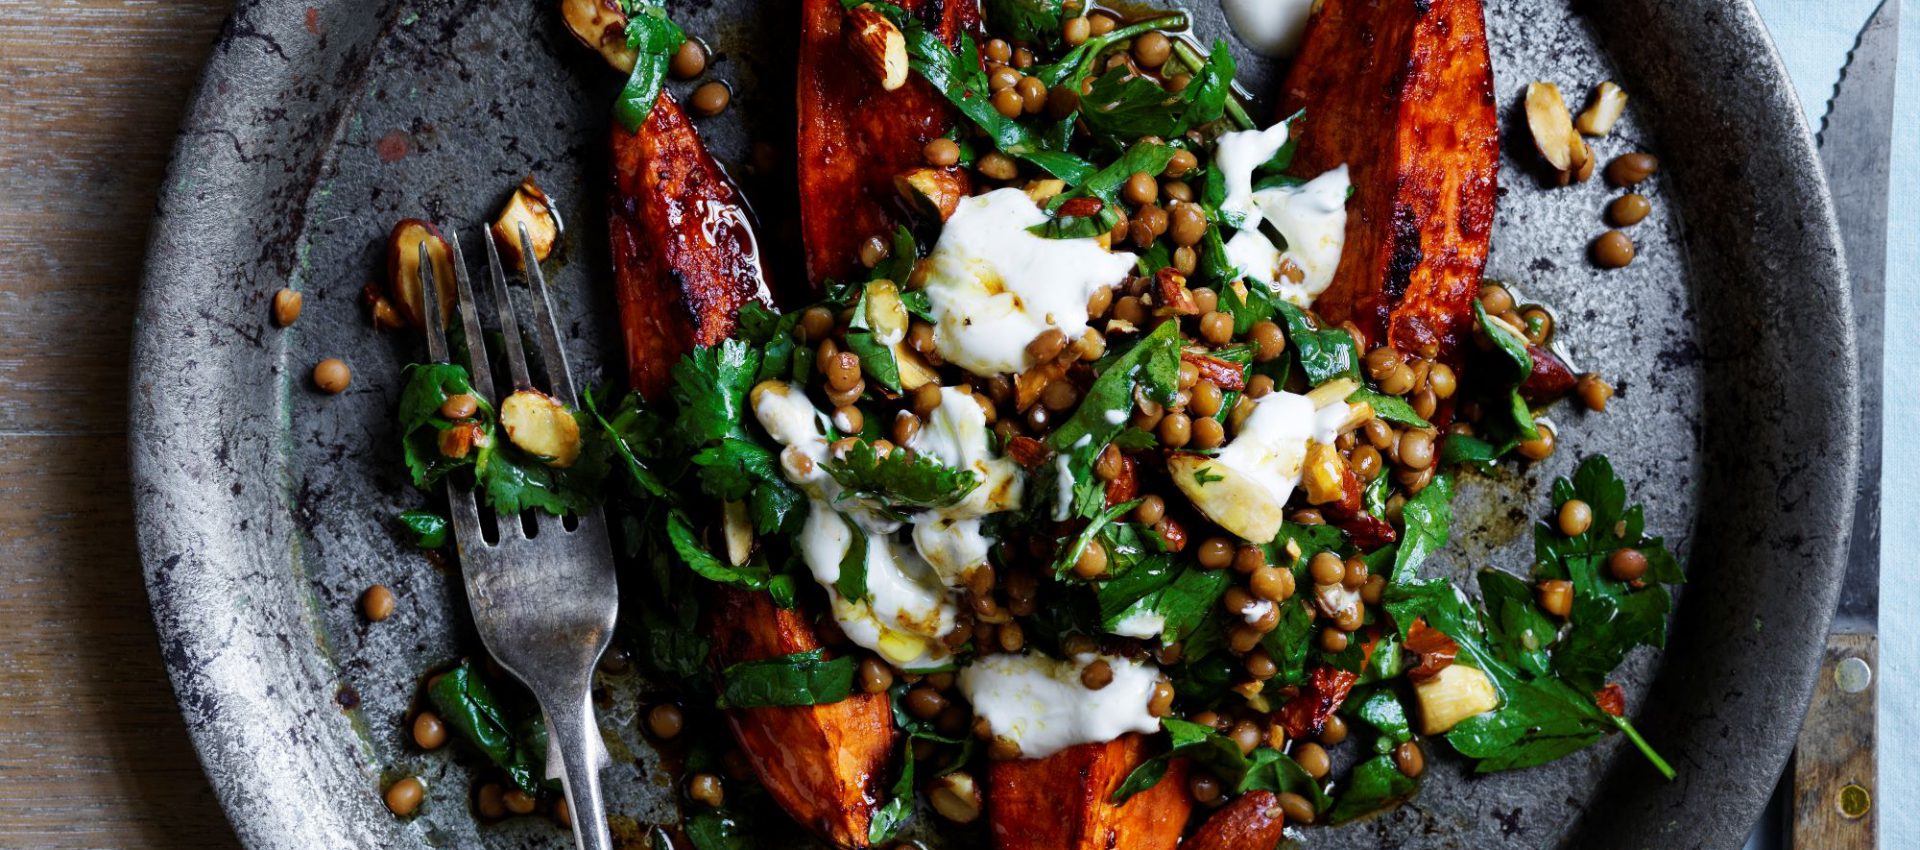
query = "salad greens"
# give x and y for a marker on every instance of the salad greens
(509, 479)
(468, 705)
(702, 495)
(653, 38)
(803, 678)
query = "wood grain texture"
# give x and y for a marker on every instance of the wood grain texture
(93, 753)
(1835, 800)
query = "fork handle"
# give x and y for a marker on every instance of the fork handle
(574, 735)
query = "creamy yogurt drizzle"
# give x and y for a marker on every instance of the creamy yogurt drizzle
(1040, 703)
(993, 286)
(1271, 447)
(1269, 27)
(1312, 219)
(909, 606)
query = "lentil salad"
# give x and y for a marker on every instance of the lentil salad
(1153, 496)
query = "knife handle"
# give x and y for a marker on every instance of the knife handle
(1833, 762)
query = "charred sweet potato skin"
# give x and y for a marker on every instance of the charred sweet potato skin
(855, 136)
(685, 255)
(685, 260)
(825, 765)
(1064, 801)
(1401, 91)
(1253, 822)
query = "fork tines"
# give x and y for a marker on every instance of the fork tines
(559, 382)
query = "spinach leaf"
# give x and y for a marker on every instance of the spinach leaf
(803, 678)
(876, 359)
(428, 386)
(1520, 632)
(851, 584)
(686, 543)
(1325, 354)
(429, 528)
(1381, 711)
(1272, 770)
(1428, 518)
(1181, 593)
(468, 705)
(1266, 770)
(1121, 105)
(1191, 740)
(1256, 307)
(1153, 363)
(509, 480)
(1289, 641)
(653, 38)
(1148, 157)
(1036, 21)
(1508, 419)
(893, 814)
(958, 76)
(1374, 785)
(1391, 408)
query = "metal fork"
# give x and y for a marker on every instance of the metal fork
(544, 604)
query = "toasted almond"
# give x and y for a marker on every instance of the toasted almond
(1332, 392)
(956, 797)
(1454, 694)
(1582, 160)
(403, 270)
(1551, 126)
(936, 192)
(1232, 500)
(1323, 476)
(1044, 190)
(738, 530)
(541, 427)
(601, 25)
(1609, 101)
(530, 208)
(877, 45)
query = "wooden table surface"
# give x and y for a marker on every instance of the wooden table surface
(93, 753)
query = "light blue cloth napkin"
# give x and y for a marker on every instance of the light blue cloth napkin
(1814, 37)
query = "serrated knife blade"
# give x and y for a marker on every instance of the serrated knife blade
(1855, 148)
(1835, 764)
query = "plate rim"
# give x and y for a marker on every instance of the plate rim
(261, 47)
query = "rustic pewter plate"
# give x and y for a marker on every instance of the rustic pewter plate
(266, 507)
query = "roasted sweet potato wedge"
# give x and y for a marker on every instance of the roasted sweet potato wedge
(1253, 822)
(856, 136)
(1064, 801)
(1401, 91)
(826, 765)
(685, 257)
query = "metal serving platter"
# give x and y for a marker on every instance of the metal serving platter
(265, 508)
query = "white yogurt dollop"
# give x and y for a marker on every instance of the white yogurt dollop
(993, 286)
(1269, 27)
(1040, 703)
(1237, 155)
(1271, 447)
(1312, 219)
